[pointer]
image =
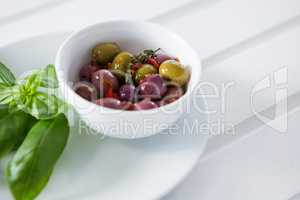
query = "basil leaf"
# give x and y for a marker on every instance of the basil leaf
(48, 77)
(6, 94)
(31, 84)
(45, 78)
(3, 111)
(42, 105)
(31, 167)
(13, 129)
(13, 107)
(6, 76)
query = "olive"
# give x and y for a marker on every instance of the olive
(145, 105)
(127, 105)
(173, 93)
(153, 87)
(110, 103)
(103, 80)
(127, 93)
(105, 52)
(160, 58)
(121, 62)
(149, 90)
(157, 80)
(144, 71)
(86, 72)
(86, 90)
(174, 71)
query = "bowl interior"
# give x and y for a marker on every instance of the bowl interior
(132, 36)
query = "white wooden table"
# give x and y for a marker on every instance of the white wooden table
(241, 42)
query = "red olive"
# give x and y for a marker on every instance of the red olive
(104, 80)
(110, 103)
(127, 105)
(127, 93)
(160, 58)
(157, 80)
(173, 93)
(86, 72)
(145, 105)
(153, 87)
(86, 90)
(149, 90)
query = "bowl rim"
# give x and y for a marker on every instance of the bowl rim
(157, 26)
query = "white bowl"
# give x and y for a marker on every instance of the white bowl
(132, 36)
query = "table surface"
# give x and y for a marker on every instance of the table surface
(241, 44)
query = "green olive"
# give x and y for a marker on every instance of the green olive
(121, 62)
(173, 70)
(105, 52)
(144, 71)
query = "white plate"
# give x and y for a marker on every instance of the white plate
(91, 168)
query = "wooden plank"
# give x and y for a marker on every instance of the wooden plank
(73, 14)
(14, 7)
(251, 66)
(265, 166)
(227, 23)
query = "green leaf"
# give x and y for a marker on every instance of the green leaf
(45, 78)
(32, 83)
(13, 129)
(40, 105)
(31, 167)
(6, 93)
(6, 76)
(35, 94)
(48, 77)
(3, 111)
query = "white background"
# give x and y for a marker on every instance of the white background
(240, 41)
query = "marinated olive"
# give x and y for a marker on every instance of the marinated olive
(173, 93)
(120, 63)
(174, 71)
(120, 80)
(158, 81)
(149, 90)
(105, 52)
(160, 58)
(145, 105)
(110, 103)
(153, 87)
(144, 71)
(127, 105)
(86, 72)
(86, 90)
(127, 93)
(104, 80)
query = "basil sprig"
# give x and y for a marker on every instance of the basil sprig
(35, 94)
(31, 122)
(30, 169)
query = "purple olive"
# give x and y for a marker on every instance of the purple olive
(86, 72)
(153, 87)
(174, 92)
(145, 105)
(86, 90)
(127, 93)
(103, 80)
(110, 103)
(127, 105)
(160, 58)
(149, 90)
(157, 80)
